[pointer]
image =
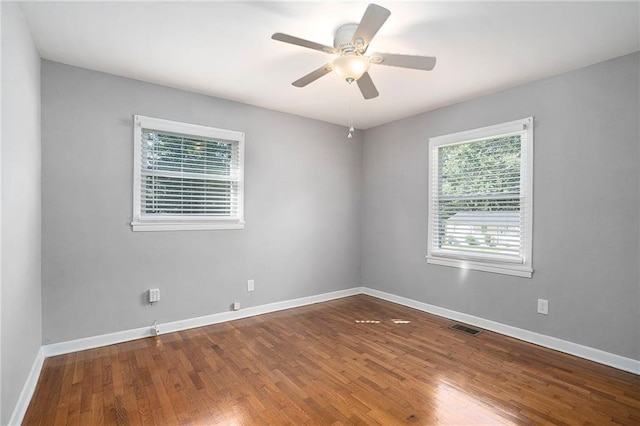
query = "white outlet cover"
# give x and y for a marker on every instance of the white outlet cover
(251, 285)
(543, 306)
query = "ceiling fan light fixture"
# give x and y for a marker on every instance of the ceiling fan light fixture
(350, 67)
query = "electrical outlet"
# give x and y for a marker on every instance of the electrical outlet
(236, 306)
(543, 306)
(154, 295)
(250, 285)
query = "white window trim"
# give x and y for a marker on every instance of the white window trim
(141, 223)
(524, 269)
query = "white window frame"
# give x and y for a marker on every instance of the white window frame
(436, 255)
(186, 222)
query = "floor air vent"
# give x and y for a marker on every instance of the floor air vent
(465, 329)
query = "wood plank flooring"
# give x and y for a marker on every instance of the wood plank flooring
(357, 360)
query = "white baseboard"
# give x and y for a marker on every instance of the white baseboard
(93, 342)
(602, 357)
(586, 352)
(256, 310)
(169, 327)
(28, 389)
(597, 355)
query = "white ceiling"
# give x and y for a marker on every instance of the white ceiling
(224, 49)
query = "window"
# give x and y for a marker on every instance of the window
(480, 199)
(186, 177)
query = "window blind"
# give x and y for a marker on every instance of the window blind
(183, 175)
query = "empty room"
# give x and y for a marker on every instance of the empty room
(320, 213)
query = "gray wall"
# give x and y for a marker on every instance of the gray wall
(585, 246)
(20, 241)
(302, 210)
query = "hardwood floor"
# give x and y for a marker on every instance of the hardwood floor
(357, 360)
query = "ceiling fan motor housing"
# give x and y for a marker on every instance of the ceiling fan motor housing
(343, 38)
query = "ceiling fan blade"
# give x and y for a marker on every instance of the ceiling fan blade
(367, 88)
(312, 76)
(302, 42)
(425, 63)
(371, 22)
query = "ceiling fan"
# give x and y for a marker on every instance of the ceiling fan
(350, 43)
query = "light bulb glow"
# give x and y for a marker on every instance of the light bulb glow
(350, 67)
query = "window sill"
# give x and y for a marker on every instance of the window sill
(185, 226)
(496, 268)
